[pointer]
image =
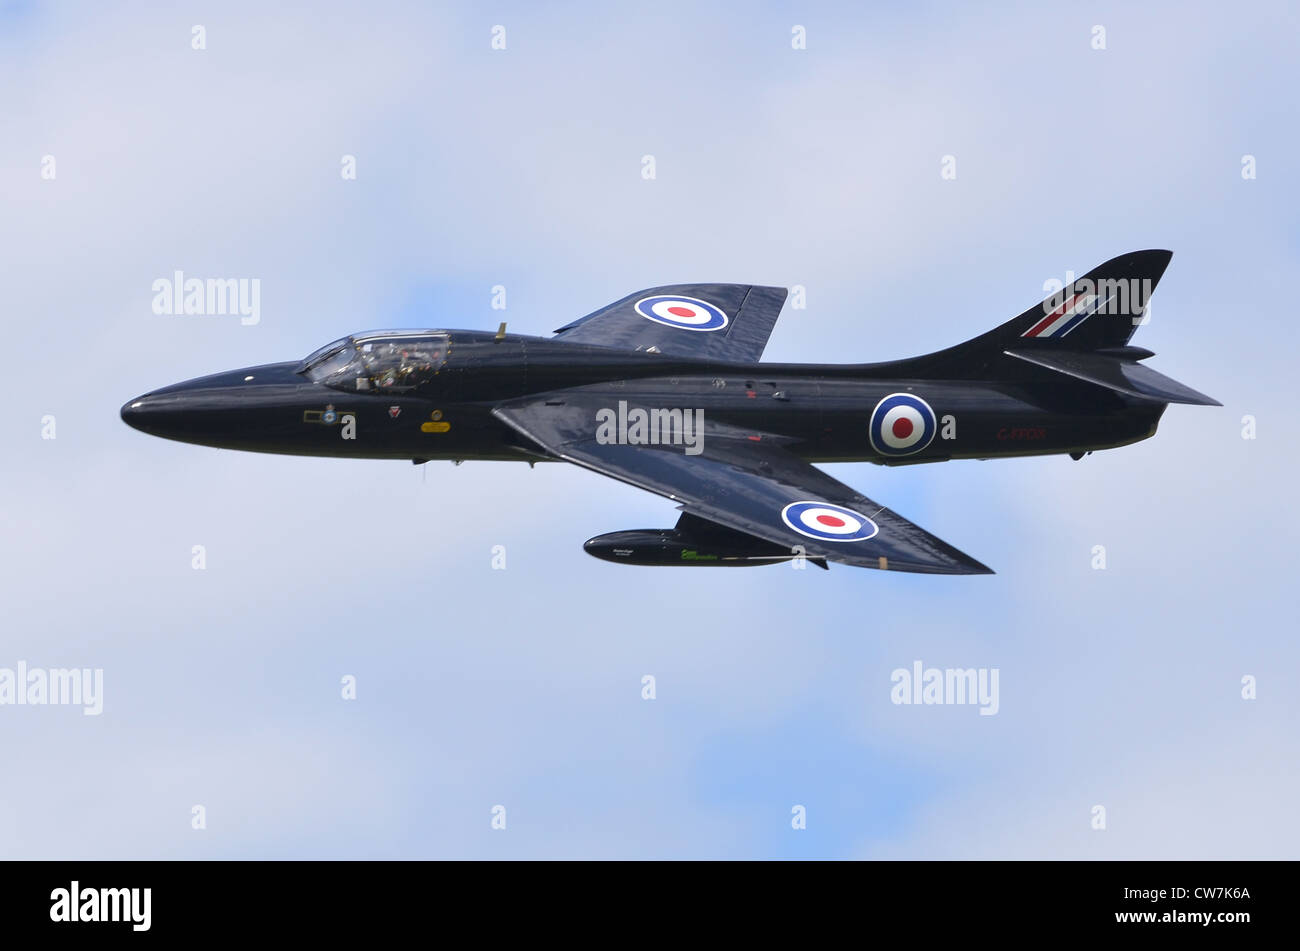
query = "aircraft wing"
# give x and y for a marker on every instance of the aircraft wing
(714, 321)
(745, 481)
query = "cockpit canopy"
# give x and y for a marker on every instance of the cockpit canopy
(380, 361)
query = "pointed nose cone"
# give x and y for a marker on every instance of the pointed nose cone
(134, 411)
(154, 414)
(216, 410)
(185, 412)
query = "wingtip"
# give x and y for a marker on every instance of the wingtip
(969, 566)
(963, 565)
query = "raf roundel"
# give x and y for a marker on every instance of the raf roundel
(684, 313)
(827, 522)
(901, 424)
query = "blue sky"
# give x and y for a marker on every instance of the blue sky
(522, 167)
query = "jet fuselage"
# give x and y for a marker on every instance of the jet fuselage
(821, 412)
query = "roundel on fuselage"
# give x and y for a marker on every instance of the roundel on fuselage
(901, 424)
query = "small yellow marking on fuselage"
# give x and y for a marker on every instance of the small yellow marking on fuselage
(434, 427)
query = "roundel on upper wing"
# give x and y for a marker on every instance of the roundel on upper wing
(684, 313)
(901, 424)
(827, 522)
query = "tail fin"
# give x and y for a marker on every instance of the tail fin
(1099, 311)
(1082, 331)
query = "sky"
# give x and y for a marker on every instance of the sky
(126, 153)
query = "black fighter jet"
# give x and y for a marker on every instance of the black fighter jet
(664, 390)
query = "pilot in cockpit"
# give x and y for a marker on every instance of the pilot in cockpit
(393, 365)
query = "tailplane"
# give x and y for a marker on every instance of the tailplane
(1116, 370)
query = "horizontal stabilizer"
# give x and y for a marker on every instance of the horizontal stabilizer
(1116, 373)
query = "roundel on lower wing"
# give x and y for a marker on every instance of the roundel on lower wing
(684, 313)
(901, 424)
(827, 522)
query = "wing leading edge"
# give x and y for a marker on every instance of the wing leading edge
(745, 481)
